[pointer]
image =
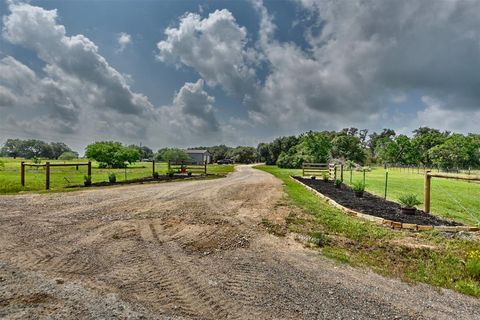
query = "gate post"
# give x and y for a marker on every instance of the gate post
(22, 173)
(426, 191)
(89, 169)
(47, 175)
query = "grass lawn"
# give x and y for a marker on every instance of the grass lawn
(60, 177)
(425, 257)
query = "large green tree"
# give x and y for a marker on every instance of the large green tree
(112, 154)
(426, 138)
(348, 147)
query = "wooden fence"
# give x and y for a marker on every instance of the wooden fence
(187, 167)
(47, 166)
(428, 180)
(319, 169)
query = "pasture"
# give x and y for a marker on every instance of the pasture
(62, 177)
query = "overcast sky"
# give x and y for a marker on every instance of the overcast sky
(186, 73)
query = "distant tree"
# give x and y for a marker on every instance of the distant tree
(12, 148)
(218, 152)
(458, 151)
(375, 137)
(277, 146)
(315, 146)
(68, 155)
(58, 148)
(112, 154)
(426, 138)
(144, 151)
(243, 154)
(348, 147)
(263, 153)
(36, 148)
(172, 154)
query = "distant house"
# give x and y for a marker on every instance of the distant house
(199, 156)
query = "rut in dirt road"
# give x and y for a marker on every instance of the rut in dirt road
(186, 250)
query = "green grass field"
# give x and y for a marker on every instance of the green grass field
(427, 257)
(61, 177)
(453, 199)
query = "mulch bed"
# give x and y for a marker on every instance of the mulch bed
(372, 204)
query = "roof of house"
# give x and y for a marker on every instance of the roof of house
(196, 151)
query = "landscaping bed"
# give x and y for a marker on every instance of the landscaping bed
(372, 205)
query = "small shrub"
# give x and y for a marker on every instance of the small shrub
(313, 177)
(155, 175)
(170, 172)
(338, 183)
(189, 173)
(325, 177)
(473, 263)
(409, 200)
(358, 186)
(36, 160)
(112, 178)
(87, 181)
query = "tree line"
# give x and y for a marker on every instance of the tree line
(427, 147)
(33, 148)
(112, 154)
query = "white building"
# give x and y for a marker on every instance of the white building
(199, 156)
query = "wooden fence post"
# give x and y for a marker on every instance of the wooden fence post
(426, 192)
(341, 172)
(89, 169)
(169, 166)
(153, 168)
(205, 166)
(22, 173)
(47, 175)
(335, 173)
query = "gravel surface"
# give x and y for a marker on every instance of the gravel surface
(186, 250)
(372, 204)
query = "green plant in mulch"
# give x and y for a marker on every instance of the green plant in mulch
(358, 186)
(409, 200)
(338, 183)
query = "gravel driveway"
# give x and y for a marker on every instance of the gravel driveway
(186, 250)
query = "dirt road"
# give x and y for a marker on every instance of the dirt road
(186, 250)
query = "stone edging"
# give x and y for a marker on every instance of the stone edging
(388, 223)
